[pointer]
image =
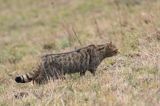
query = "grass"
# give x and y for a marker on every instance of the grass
(29, 29)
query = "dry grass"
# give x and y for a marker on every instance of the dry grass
(31, 28)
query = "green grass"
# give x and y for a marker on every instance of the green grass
(31, 28)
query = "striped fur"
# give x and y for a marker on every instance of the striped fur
(54, 66)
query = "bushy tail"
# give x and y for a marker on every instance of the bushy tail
(27, 77)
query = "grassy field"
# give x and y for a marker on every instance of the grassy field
(32, 28)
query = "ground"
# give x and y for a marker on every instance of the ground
(32, 28)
